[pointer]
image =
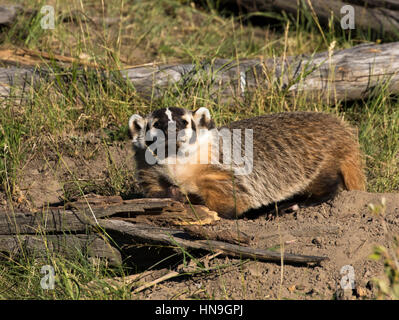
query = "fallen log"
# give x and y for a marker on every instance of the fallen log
(122, 221)
(349, 74)
(61, 244)
(8, 14)
(83, 214)
(179, 239)
(380, 16)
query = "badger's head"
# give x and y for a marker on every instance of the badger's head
(175, 128)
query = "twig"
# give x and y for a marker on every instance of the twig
(42, 54)
(150, 234)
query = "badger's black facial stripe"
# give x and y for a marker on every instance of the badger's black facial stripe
(160, 114)
(156, 124)
(161, 119)
(182, 119)
(177, 113)
(181, 123)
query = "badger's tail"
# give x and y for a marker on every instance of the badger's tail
(352, 172)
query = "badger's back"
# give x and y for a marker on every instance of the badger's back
(295, 151)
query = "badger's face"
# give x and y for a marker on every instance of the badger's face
(175, 128)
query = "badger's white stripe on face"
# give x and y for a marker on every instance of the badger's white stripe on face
(169, 114)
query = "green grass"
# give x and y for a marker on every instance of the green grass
(20, 278)
(76, 103)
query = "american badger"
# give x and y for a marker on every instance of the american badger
(306, 154)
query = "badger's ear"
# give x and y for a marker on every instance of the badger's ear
(136, 126)
(202, 118)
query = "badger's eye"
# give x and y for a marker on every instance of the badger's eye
(156, 124)
(185, 123)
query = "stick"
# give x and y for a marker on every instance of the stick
(177, 238)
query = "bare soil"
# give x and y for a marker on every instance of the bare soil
(344, 229)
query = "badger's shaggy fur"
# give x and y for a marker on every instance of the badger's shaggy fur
(309, 154)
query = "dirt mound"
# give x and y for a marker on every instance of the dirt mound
(343, 229)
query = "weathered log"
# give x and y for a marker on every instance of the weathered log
(82, 214)
(178, 238)
(74, 217)
(348, 74)
(381, 16)
(226, 235)
(31, 230)
(47, 220)
(8, 14)
(178, 215)
(64, 244)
